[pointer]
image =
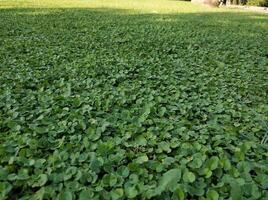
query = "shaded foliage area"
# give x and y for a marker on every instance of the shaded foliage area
(263, 3)
(257, 3)
(103, 104)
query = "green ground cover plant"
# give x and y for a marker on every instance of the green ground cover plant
(132, 100)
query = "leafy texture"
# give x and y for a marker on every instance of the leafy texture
(170, 177)
(132, 99)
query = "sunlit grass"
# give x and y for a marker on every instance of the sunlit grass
(150, 6)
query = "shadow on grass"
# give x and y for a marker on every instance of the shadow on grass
(228, 22)
(34, 35)
(54, 37)
(106, 28)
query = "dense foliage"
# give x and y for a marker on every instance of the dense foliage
(263, 3)
(258, 3)
(108, 104)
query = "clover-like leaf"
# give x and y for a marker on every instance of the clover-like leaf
(65, 195)
(212, 195)
(40, 181)
(117, 193)
(188, 177)
(170, 177)
(142, 159)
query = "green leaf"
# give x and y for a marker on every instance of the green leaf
(85, 195)
(23, 174)
(178, 194)
(196, 190)
(212, 195)
(170, 177)
(41, 180)
(142, 159)
(188, 177)
(123, 171)
(67, 90)
(162, 111)
(93, 134)
(65, 195)
(213, 162)
(117, 193)
(236, 192)
(131, 192)
(146, 112)
(197, 162)
(39, 195)
(3, 174)
(5, 188)
(263, 180)
(112, 180)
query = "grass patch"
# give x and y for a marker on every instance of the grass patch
(132, 99)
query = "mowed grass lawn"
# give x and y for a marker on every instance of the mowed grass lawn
(132, 99)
